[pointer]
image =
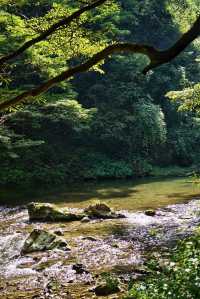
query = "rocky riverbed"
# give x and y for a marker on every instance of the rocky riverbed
(119, 246)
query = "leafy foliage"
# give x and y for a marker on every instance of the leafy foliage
(188, 99)
(111, 122)
(177, 277)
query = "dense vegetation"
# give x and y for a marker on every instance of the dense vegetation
(111, 122)
(177, 276)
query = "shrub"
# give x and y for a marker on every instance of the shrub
(177, 278)
(100, 166)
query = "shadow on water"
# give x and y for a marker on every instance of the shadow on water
(76, 193)
(127, 195)
(186, 197)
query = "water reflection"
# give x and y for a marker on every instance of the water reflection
(122, 195)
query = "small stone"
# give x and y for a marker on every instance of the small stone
(44, 265)
(59, 232)
(25, 265)
(79, 268)
(90, 238)
(85, 219)
(150, 212)
(115, 245)
(36, 258)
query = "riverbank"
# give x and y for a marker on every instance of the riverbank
(59, 180)
(173, 274)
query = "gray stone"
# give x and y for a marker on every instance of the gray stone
(150, 212)
(41, 240)
(85, 219)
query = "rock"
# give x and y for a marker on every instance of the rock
(85, 219)
(101, 211)
(105, 290)
(150, 212)
(90, 238)
(48, 212)
(44, 265)
(36, 258)
(26, 265)
(115, 245)
(40, 240)
(79, 268)
(58, 232)
(106, 285)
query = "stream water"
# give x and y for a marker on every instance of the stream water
(119, 246)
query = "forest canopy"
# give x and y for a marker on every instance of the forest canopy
(71, 38)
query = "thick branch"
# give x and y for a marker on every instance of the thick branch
(156, 58)
(169, 54)
(116, 48)
(64, 22)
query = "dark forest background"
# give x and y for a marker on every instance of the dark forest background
(111, 122)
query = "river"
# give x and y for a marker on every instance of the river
(118, 246)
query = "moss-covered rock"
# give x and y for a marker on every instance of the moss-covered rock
(49, 212)
(101, 211)
(107, 285)
(40, 240)
(105, 290)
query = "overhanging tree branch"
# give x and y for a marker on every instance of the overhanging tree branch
(157, 57)
(116, 48)
(64, 22)
(177, 48)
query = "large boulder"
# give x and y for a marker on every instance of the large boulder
(49, 212)
(41, 240)
(101, 211)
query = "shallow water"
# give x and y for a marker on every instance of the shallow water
(122, 195)
(117, 245)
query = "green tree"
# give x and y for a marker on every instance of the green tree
(157, 57)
